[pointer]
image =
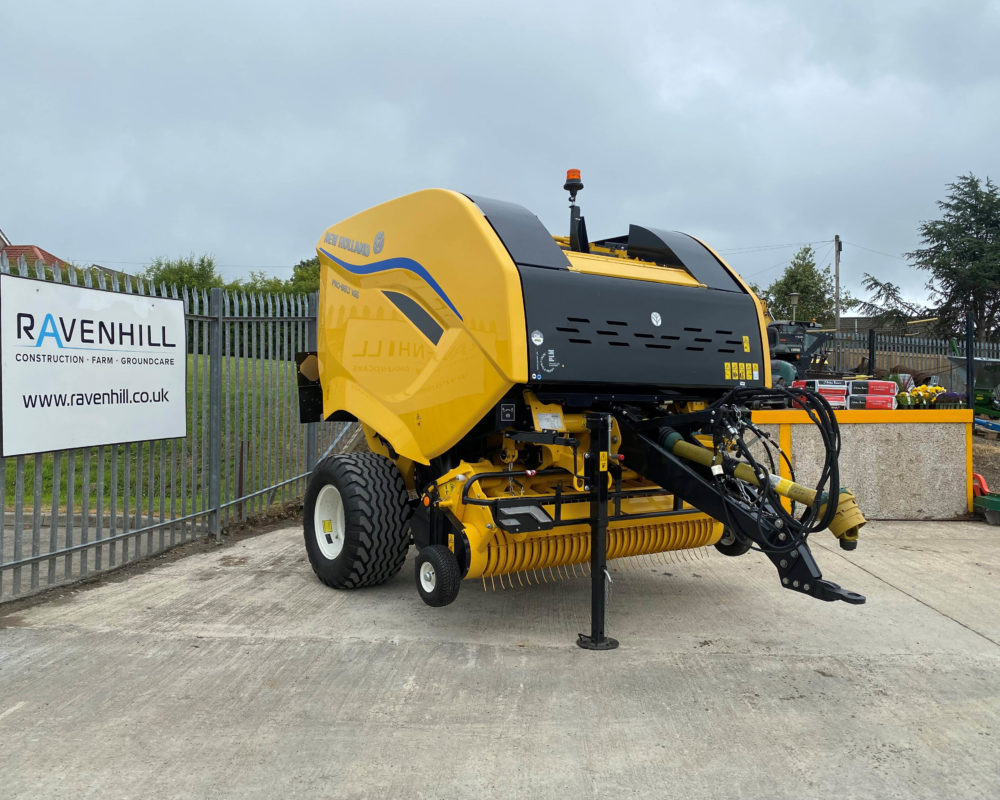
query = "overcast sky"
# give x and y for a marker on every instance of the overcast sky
(142, 129)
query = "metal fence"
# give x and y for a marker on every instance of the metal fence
(923, 357)
(899, 354)
(71, 513)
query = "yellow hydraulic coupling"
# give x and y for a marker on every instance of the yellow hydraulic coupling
(847, 519)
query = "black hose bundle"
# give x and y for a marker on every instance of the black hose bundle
(730, 423)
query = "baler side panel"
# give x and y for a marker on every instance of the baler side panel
(422, 321)
(597, 329)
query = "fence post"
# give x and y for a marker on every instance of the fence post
(215, 412)
(871, 351)
(970, 363)
(312, 428)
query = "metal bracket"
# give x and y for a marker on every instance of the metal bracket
(797, 568)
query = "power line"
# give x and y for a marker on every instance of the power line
(819, 259)
(762, 271)
(105, 262)
(746, 250)
(877, 252)
(254, 267)
(760, 248)
(826, 253)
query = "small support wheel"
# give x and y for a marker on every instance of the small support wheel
(732, 543)
(438, 576)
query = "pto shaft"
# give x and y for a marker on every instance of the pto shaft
(847, 520)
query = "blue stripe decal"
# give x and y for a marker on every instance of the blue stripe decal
(394, 263)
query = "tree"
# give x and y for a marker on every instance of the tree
(200, 273)
(887, 306)
(814, 286)
(190, 272)
(262, 283)
(962, 252)
(305, 276)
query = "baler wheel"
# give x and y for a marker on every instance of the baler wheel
(355, 516)
(438, 576)
(732, 543)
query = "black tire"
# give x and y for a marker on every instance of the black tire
(355, 520)
(438, 576)
(732, 543)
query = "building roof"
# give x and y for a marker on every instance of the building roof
(32, 253)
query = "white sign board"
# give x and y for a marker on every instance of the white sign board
(82, 367)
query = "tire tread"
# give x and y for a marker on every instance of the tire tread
(376, 512)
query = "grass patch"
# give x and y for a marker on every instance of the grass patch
(262, 444)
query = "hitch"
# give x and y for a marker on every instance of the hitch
(799, 572)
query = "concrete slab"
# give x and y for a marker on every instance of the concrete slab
(235, 674)
(918, 450)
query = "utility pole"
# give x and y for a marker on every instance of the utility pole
(837, 247)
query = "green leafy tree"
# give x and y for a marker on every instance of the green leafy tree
(200, 273)
(814, 286)
(194, 273)
(263, 283)
(305, 276)
(962, 252)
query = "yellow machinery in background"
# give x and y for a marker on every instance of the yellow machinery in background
(536, 403)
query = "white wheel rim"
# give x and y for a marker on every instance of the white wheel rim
(428, 577)
(328, 522)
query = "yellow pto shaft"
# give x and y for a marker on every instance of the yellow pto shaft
(847, 520)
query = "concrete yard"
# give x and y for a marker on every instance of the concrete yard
(235, 674)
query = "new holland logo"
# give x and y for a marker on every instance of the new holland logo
(348, 244)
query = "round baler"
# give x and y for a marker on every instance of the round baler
(537, 404)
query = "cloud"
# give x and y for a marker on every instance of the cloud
(244, 129)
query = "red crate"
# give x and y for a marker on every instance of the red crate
(883, 401)
(832, 384)
(835, 396)
(874, 387)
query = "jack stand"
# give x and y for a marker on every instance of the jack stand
(599, 426)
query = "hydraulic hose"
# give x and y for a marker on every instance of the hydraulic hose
(846, 520)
